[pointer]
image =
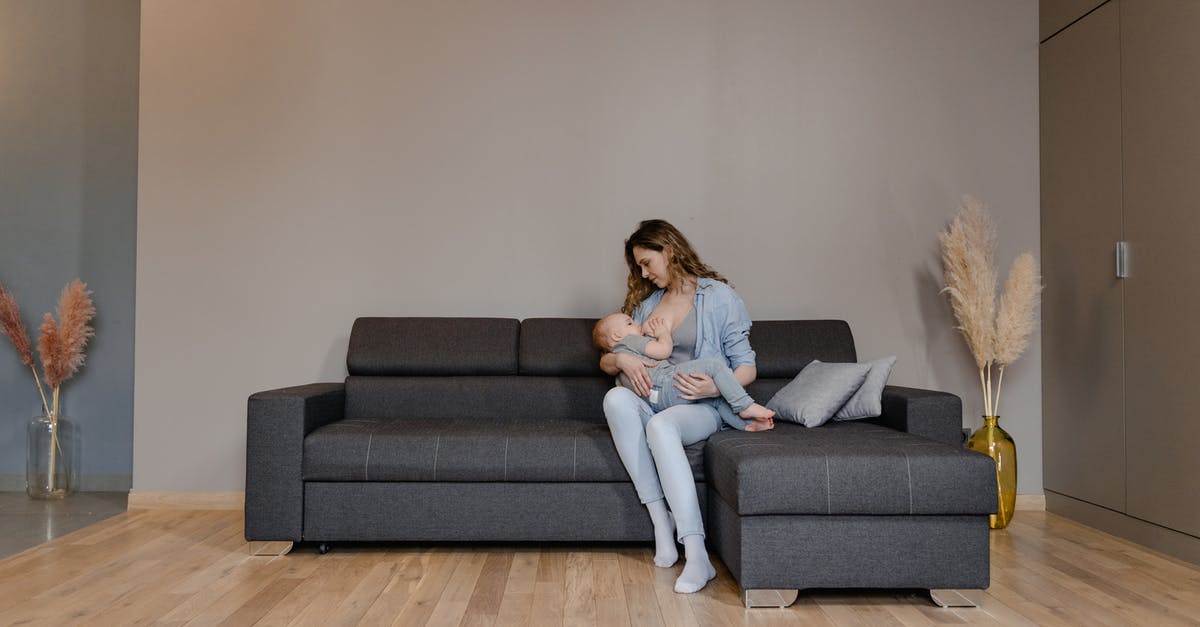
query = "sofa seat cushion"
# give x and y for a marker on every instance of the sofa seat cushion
(468, 449)
(847, 468)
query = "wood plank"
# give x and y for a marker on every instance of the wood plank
(484, 608)
(549, 592)
(428, 591)
(579, 606)
(177, 567)
(517, 603)
(71, 561)
(636, 575)
(394, 596)
(453, 602)
(294, 603)
(609, 590)
(355, 572)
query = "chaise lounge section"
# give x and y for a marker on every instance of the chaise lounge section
(487, 429)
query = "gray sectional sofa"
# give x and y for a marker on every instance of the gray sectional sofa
(474, 429)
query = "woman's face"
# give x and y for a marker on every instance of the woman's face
(653, 264)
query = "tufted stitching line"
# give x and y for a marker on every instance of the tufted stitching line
(575, 457)
(828, 489)
(436, 444)
(506, 440)
(367, 461)
(908, 466)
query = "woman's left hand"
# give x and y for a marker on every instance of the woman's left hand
(693, 386)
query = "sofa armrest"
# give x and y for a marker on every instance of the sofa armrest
(930, 414)
(276, 423)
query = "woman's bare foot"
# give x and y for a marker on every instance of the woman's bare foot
(756, 412)
(761, 425)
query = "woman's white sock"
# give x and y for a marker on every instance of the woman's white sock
(697, 571)
(665, 553)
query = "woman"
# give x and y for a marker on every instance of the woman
(708, 320)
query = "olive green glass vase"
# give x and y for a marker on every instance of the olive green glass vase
(996, 443)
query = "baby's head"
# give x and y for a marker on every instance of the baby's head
(611, 328)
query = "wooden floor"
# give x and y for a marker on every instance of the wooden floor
(192, 567)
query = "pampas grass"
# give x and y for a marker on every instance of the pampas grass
(996, 336)
(61, 347)
(61, 343)
(14, 329)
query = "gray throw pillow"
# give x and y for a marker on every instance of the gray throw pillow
(867, 402)
(816, 394)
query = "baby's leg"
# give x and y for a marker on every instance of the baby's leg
(729, 416)
(756, 412)
(730, 389)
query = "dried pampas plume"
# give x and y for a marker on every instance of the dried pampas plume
(994, 335)
(1015, 320)
(968, 249)
(13, 328)
(62, 344)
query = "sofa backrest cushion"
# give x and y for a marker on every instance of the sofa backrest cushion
(580, 398)
(433, 346)
(784, 347)
(559, 347)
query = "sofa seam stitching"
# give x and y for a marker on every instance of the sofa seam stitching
(367, 461)
(908, 467)
(436, 444)
(506, 440)
(575, 456)
(828, 488)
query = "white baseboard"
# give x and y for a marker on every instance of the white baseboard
(187, 500)
(1031, 502)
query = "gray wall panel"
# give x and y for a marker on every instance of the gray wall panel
(68, 175)
(301, 167)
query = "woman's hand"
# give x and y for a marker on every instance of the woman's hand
(693, 386)
(635, 369)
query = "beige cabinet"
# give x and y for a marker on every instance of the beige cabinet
(1160, 76)
(1120, 150)
(1083, 418)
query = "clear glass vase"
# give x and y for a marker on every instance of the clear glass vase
(996, 443)
(50, 467)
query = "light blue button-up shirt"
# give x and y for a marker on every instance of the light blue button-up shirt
(723, 329)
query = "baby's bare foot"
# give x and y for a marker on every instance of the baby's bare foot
(757, 412)
(761, 425)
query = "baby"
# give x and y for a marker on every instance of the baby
(618, 333)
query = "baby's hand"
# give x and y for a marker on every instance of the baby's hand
(656, 326)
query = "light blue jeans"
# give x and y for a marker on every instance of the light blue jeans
(651, 447)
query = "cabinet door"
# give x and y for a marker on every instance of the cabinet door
(1055, 15)
(1161, 78)
(1082, 418)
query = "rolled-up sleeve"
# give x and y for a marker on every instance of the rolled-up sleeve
(735, 335)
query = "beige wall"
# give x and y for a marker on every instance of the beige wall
(303, 163)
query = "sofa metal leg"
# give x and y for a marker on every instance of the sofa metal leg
(769, 598)
(282, 547)
(956, 598)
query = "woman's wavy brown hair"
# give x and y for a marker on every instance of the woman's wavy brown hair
(682, 261)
